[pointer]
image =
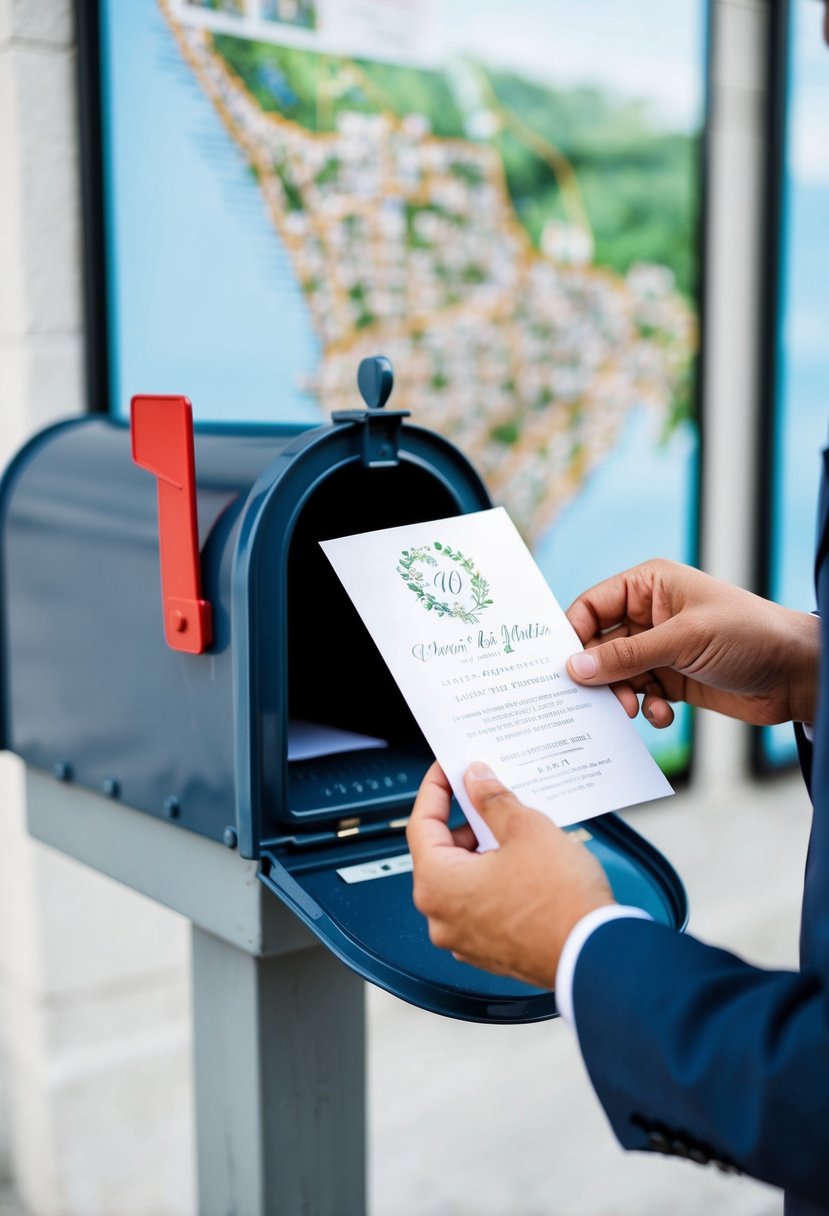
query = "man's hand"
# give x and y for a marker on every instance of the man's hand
(672, 633)
(508, 911)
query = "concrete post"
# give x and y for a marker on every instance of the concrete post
(734, 268)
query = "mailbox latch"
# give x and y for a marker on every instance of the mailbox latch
(381, 427)
(162, 443)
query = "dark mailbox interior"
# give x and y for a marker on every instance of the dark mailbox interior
(336, 675)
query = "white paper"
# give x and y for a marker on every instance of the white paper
(308, 740)
(478, 643)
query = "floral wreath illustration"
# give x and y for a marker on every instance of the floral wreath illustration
(408, 568)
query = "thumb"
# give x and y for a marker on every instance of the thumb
(493, 801)
(624, 658)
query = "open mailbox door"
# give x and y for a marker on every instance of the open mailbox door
(358, 900)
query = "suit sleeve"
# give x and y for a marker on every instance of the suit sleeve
(693, 1052)
(805, 751)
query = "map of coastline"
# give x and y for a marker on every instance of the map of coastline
(405, 241)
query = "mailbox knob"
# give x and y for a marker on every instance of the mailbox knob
(380, 428)
(375, 380)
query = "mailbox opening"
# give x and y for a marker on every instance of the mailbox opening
(336, 677)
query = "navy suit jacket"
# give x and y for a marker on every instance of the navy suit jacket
(696, 1053)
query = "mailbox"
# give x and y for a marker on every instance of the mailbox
(186, 701)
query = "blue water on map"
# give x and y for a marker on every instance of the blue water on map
(203, 300)
(194, 264)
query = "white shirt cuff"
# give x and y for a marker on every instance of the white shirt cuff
(573, 946)
(809, 731)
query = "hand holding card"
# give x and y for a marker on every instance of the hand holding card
(477, 644)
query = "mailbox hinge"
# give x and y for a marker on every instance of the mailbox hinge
(381, 427)
(381, 434)
(344, 830)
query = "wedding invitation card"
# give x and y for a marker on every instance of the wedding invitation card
(477, 644)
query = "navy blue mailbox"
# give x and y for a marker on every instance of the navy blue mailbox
(182, 707)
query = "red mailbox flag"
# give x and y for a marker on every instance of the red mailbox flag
(162, 443)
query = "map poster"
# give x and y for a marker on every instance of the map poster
(504, 200)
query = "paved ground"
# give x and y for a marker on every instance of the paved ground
(495, 1121)
(8, 1204)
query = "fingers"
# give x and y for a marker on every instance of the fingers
(428, 826)
(657, 710)
(623, 658)
(627, 698)
(625, 691)
(497, 804)
(602, 607)
(628, 598)
(655, 704)
(623, 599)
(465, 838)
